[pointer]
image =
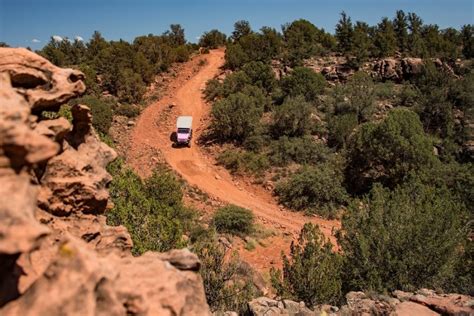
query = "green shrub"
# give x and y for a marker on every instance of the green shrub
(256, 141)
(234, 220)
(293, 118)
(243, 161)
(304, 40)
(235, 82)
(163, 186)
(64, 111)
(101, 111)
(357, 96)
(235, 56)
(182, 53)
(387, 152)
(408, 96)
(236, 117)
(303, 81)
(127, 110)
(312, 272)
(152, 211)
(303, 150)
(403, 239)
(385, 91)
(225, 286)
(261, 99)
(260, 75)
(318, 189)
(212, 39)
(341, 127)
(92, 85)
(130, 86)
(213, 89)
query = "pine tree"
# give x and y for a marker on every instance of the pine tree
(385, 39)
(400, 25)
(467, 35)
(344, 33)
(415, 40)
(433, 40)
(95, 45)
(241, 28)
(176, 35)
(362, 42)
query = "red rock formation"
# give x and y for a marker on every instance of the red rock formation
(57, 254)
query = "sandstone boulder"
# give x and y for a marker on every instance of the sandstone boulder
(269, 307)
(20, 146)
(78, 282)
(57, 254)
(42, 84)
(75, 181)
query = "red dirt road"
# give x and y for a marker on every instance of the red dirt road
(153, 130)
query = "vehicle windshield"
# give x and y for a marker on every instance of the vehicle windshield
(183, 130)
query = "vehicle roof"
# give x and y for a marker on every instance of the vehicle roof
(184, 122)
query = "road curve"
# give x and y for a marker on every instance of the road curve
(152, 131)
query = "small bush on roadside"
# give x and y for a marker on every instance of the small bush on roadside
(212, 39)
(163, 186)
(236, 117)
(312, 271)
(312, 188)
(127, 110)
(213, 89)
(243, 161)
(234, 220)
(182, 53)
(225, 286)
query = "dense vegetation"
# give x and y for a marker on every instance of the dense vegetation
(411, 237)
(153, 212)
(400, 176)
(234, 220)
(120, 68)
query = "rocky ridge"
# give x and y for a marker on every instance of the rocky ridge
(396, 69)
(423, 302)
(57, 254)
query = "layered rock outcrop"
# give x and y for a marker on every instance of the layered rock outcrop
(337, 68)
(421, 303)
(57, 254)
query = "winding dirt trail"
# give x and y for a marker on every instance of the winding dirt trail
(152, 133)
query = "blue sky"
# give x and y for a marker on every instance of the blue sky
(33, 22)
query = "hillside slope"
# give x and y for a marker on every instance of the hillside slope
(153, 134)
